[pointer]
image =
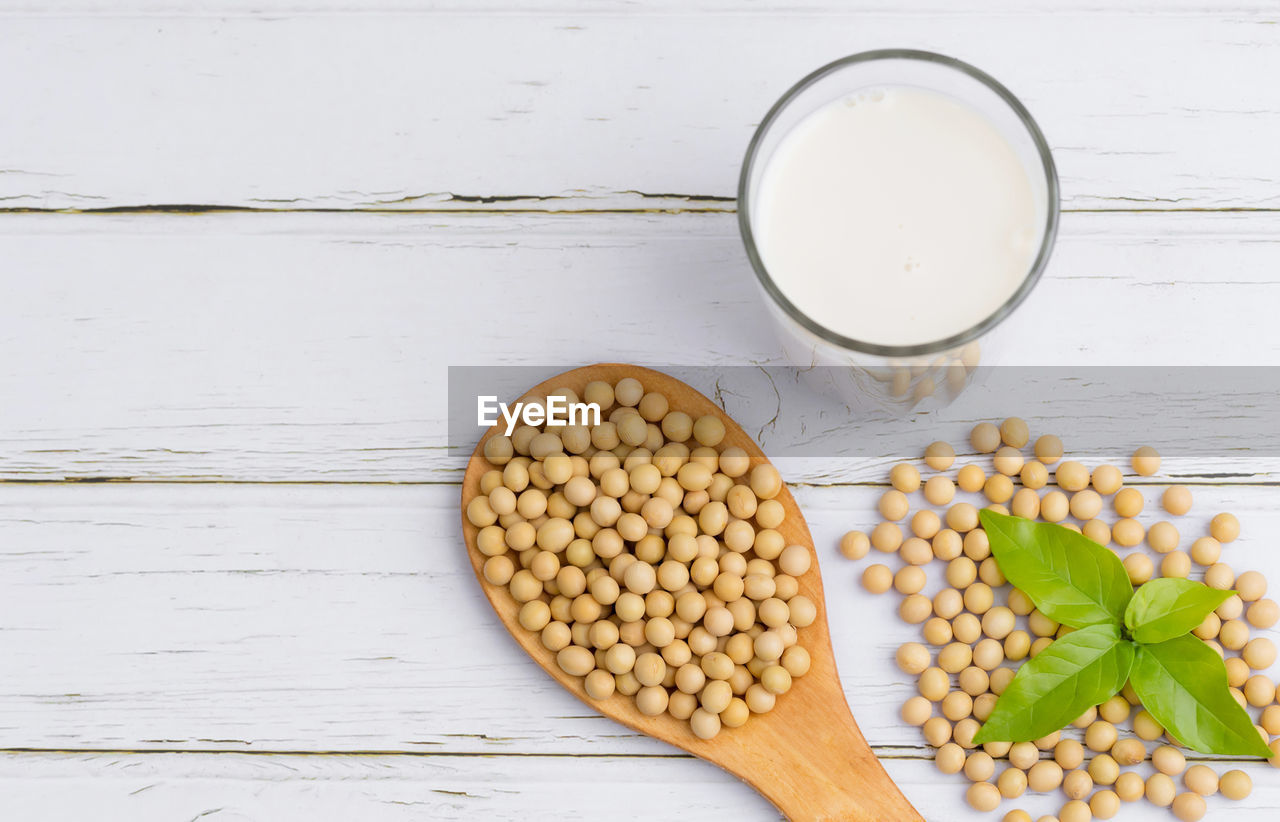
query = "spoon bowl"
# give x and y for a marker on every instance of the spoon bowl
(806, 756)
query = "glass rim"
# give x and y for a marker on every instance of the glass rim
(955, 340)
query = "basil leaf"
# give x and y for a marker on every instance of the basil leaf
(1167, 608)
(1183, 684)
(1051, 690)
(1069, 577)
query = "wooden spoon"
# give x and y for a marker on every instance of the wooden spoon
(807, 755)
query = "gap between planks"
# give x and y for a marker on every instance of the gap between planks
(710, 205)
(884, 752)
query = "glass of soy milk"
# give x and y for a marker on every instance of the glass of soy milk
(896, 206)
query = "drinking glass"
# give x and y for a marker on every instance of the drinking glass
(895, 377)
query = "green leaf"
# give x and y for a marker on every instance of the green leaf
(1069, 577)
(1167, 608)
(1183, 684)
(1051, 690)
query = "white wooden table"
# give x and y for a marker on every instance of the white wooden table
(241, 241)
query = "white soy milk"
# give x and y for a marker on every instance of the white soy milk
(896, 216)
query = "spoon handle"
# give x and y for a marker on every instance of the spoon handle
(818, 766)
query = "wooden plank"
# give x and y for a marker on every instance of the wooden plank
(322, 618)
(147, 105)
(252, 348)
(243, 788)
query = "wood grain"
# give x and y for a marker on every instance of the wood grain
(313, 348)
(246, 788)
(289, 106)
(807, 755)
(346, 618)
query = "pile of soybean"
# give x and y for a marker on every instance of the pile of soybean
(976, 629)
(648, 557)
